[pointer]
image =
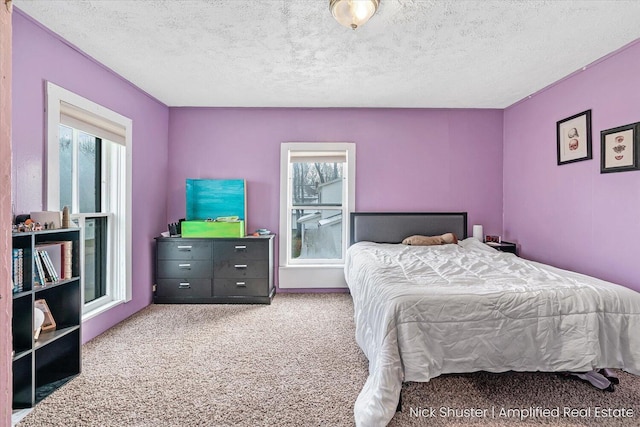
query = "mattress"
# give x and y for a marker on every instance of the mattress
(424, 311)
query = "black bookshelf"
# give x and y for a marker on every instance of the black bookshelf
(42, 365)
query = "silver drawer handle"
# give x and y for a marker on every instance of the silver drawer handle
(185, 248)
(184, 285)
(241, 284)
(241, 248)
(240, 266)
(185, 266)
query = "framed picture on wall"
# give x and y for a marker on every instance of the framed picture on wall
(619, 148)
(574, 138)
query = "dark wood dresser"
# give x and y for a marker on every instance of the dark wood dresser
(214, 270)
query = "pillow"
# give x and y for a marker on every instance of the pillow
(418, 240)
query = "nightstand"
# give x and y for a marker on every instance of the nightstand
(504, 247)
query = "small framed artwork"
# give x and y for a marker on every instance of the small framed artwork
(48, 324)
(574, 138)
(619, 148)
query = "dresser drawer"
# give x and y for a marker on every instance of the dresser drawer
(193, 288)
(240, 287)
(192, 249)
(230, 269)
(185, 269)
(244, 249)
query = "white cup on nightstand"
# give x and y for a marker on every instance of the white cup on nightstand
(478, 232)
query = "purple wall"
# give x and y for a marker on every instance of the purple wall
(571, 216)
(406, 160)
(39, 56)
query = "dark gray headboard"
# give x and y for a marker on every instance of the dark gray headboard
(393, 227)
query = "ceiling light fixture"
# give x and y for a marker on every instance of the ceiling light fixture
(353, 13)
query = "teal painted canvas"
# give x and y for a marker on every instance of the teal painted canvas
(213, 198)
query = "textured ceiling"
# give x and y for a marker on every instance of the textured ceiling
(292, 53)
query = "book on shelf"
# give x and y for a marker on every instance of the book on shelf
(53, 262)
(60, 253)
(39, 278)
(18, 270)
(67, 259)
(50, 269)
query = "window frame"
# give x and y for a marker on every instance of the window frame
(313, 273)
(116, 191)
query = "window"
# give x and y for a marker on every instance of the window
(80, 166)
(316, 196)
(89, 171)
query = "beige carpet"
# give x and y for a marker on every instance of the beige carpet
(293, 363)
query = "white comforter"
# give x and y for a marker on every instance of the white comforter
(424, 311)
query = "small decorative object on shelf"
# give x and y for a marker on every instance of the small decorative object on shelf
(38, 320)
(46, 220)
(48, 324)
(65, 217)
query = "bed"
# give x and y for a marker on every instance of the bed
(423, 311)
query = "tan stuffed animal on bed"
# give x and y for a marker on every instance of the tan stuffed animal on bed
(418, 240)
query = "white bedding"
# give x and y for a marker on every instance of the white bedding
(424, 311)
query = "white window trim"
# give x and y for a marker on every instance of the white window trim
(118, 277)
(321, 275)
